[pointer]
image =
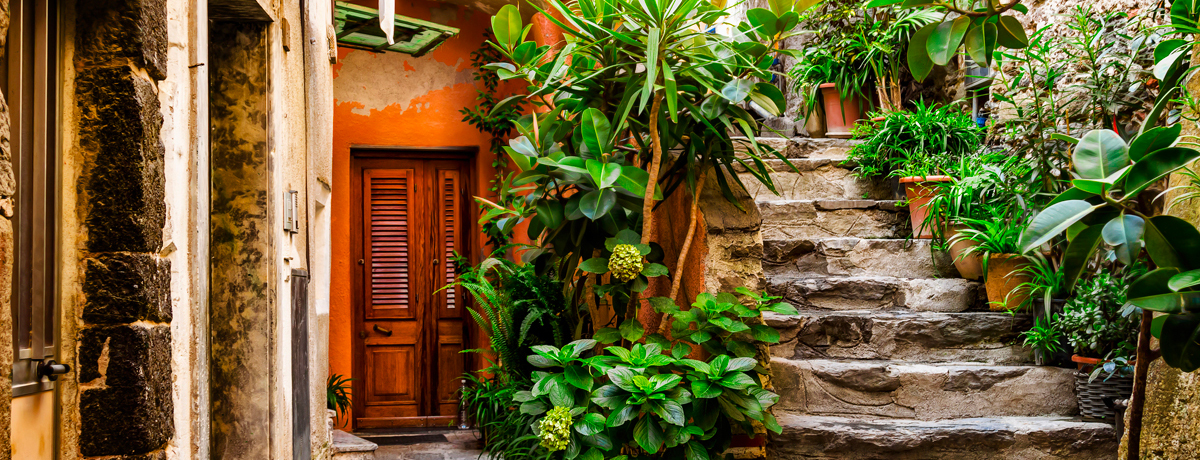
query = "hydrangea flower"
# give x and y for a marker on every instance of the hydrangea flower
(556, 429)
(626, 262)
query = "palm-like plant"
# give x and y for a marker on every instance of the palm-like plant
(338, 395)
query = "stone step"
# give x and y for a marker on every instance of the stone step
(818, 178)
(896, 389)
(844, 293)
(810, 219)
(983, 337)
(1002, 438)
(801, 147)
(908, 258)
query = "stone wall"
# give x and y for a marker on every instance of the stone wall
(123, 318)
(7, 188)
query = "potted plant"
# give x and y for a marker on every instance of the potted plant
(1103, 334)
(995, 241)
(987, 180)
(337, 398)
(833, 88)
(922, 148)
(1045, 340)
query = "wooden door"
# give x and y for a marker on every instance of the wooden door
(411, 221)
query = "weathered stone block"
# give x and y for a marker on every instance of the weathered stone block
(125, 405)
(119, 136)
(127, 287)
(922, 391)
(111, 31)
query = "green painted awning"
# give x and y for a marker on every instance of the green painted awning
(358, 27)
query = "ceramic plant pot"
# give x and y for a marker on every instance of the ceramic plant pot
(970, 266)
(814, 124)
(840, 115)
(919, 191)
(1003, 278)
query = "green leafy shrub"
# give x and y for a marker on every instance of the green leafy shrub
(926, 141)
(650, 398)
(1094, 321)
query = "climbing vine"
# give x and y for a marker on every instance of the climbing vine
(496, 123)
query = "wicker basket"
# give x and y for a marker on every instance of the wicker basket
(1095, 398)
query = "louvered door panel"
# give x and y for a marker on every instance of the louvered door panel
(388, 208)
(450, 239)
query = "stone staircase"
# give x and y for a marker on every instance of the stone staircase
(892, 355)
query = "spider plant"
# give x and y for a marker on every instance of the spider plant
(1044, 279)
(337, 396)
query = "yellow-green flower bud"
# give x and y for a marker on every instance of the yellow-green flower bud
(556, 429)
(625, 262)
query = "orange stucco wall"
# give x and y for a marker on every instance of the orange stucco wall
(393, 99)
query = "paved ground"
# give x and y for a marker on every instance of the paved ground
(460, 446)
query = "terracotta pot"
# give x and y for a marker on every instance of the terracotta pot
(970, 266)
(919, 191)
(1085, 363)
(1002, 279)
(840, 115)
(814, 124)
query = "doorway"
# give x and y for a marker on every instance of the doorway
(410, 223)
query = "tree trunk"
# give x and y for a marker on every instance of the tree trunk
(1137, 400)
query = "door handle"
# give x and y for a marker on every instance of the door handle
(51, 369)
(382, 330)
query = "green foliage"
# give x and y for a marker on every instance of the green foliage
(496, 123)
(583, 157)
(856, 45)
(643, 399)
(1094, 322)
(1043, 336)
(927, 141)
(1107, 202)
(988, 184)
(518, 308)
(488, 399)
(338, 395)
(981, 25)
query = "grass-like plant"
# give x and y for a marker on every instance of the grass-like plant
(927, 141)
(338, 396)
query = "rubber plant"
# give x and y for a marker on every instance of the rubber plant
(981, 26)
(1111, 201)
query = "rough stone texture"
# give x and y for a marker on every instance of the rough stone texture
(817, 178)
(124, 395)
(126, 287)
(125, 404)
(999, 438)
(802, 147)
(111, 32)
(123, 179)
(462, 445)
(6, 331)
(782, 127)
(810, 219)
(916, 336)
(241, 302)
(922, 391)
(909, 258)
(877, 293)
(7, 188)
